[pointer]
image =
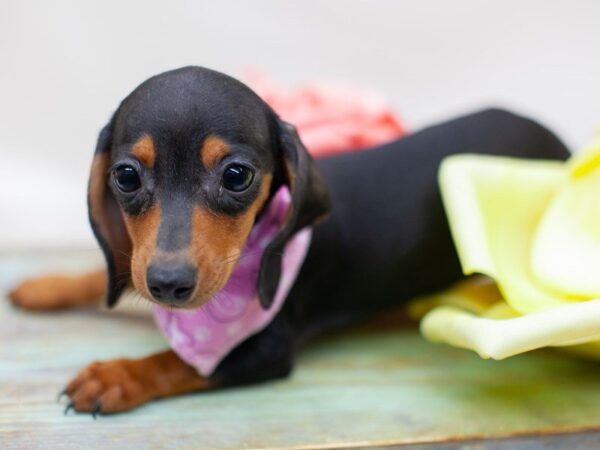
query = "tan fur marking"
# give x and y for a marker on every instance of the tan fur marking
(107, 219)
(145, 151)
(213, 150)
(97, 188)
(217, 242)
(143, 230)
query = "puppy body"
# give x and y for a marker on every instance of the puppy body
(387, 238)
(166, 209)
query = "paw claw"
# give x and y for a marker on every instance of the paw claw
(61, 394)
(97, 409)
(68, 408)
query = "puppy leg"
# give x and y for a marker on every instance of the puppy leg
(123, 384)
(60, 292)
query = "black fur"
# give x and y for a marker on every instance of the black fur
(387, 239)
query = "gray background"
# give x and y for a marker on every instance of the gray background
(65, 65)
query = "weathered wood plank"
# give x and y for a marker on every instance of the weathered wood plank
(352, 389)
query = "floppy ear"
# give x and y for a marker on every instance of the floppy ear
(107, 221)
(309, 203)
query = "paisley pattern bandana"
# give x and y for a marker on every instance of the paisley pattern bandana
(203, 337)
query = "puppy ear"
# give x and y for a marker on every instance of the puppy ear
(309, 204)
(107, 221)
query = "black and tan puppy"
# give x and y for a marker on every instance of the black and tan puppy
(182, 172)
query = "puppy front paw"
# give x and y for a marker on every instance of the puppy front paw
(45, 293)
(58, 292)
(109, 387)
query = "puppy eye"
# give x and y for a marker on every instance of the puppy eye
(237, 178)
(127, 179)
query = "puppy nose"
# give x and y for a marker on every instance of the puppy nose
(171, 283)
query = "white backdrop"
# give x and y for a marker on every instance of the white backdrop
(65, 65)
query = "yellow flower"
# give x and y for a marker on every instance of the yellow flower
(534, 228)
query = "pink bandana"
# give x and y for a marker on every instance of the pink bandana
(203, 337)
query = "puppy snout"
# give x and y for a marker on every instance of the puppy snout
(172, 284)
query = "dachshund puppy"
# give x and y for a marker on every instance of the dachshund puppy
(182, 172)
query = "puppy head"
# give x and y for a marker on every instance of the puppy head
(180, 175)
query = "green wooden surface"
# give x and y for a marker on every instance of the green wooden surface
(357, 388)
